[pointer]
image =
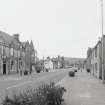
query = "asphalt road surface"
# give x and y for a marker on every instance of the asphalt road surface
(31, 81)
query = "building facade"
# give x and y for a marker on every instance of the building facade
(96, 64)
(55, 63)
(13, 54)
(94, 60)
(88, 60)
(58, 62)
(48, 64)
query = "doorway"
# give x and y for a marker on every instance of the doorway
(4, 68)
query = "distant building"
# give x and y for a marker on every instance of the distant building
(61, 62)
(48, 64)
(15, 56)
(88, 59)
(55, 63)
(58, 62)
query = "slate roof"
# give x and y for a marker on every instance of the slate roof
(11, 41)
(25, 43)
(6, 37)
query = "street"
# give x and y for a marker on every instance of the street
(83, 89)
(17, 84)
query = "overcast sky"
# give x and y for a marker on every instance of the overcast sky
(57, 27)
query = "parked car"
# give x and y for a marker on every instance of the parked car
(38, 68)
(75, 69)
(71, 73)
(88, 70)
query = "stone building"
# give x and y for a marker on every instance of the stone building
(13, 54)
(88, 60)
(94, 60)
(58, 62)
(55, 63)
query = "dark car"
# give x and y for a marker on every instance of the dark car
(75, 69)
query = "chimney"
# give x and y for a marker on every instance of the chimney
(16, 36)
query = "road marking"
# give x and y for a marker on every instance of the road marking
(19, 85)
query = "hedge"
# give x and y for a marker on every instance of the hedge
(46, 94)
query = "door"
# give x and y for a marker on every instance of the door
(4, 68)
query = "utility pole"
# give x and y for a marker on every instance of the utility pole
(102, 15)
(103, 71)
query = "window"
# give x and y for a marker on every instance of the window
(12, 63)
(96, 67)
(95, 51)
(18, 53)
(11, 51)
(7, 51)
(93, 67)
(15, 53)
(2, 49)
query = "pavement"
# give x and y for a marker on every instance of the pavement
(83, 89)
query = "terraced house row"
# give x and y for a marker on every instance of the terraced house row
(96, 59)
(15, 56)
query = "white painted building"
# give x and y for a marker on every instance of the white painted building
(48, 64)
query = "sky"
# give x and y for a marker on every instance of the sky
(56, 27)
